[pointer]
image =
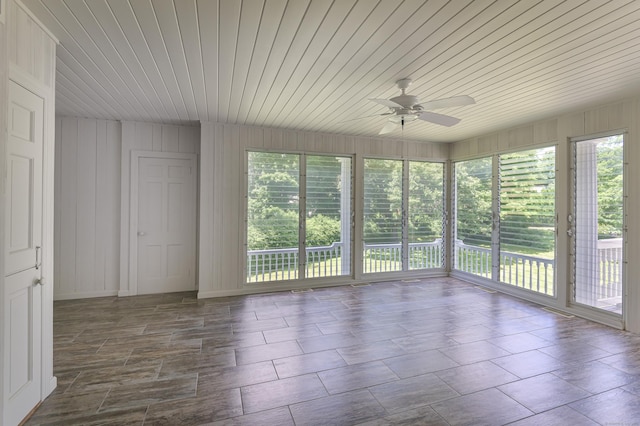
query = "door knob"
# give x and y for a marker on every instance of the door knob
(40, 281)
(141, 233)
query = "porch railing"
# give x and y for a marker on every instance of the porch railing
(536, 273)
(388, 257)
(530, 272)
(610, 269)
(325, 261)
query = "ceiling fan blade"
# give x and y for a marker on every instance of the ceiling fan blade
(386, 102)
(366, 116)
(388, 128)
(455, 101)
(441, 119)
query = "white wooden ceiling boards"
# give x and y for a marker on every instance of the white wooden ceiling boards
(312, 64)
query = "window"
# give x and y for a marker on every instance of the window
(527, 219)
(383, 210)
(505, 225)
(290, 196)
(473, 217)
(403, 215)
(273, 216)
(426, 215)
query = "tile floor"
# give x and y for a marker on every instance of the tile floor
(432, 352)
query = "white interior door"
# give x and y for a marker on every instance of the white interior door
(23, 236)
(166, 226)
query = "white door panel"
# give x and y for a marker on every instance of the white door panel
(166, 225)
(22, 313)
(24, 180)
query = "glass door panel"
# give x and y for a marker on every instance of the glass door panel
(273, 217)
(426, 215)
(598, 223)
(528, 219)
(328, 216)
(383, 209)
(473, 217)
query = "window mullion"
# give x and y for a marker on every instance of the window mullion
(495, 211)
(405, 215)
(302, 208)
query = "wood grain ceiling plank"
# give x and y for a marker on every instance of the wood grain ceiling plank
(144, 14)
(156, 93)
(270, 22)
(88, 52)
(66, 105)
(342, 19)
(83, 77)
(85, 102)
(300, 21)
(568, 81)
(527, 45)
(192, 45)
(450, 39)
(135, 41)
(208, 24)
(378, 35)
(229, 28)
(100, 39)
(97, 79)
(167, 19)
(250, 17)
(337, 59)
(389, 62)
(602, 50)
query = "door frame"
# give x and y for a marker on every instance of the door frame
(133, 209)
(586, 311)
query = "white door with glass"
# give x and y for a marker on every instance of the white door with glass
(597, 223)
(23, 240)
(166, 225)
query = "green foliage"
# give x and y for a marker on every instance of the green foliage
(322, 231)
(610, 199)
(473, 201)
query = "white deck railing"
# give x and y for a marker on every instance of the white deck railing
(388, 257)
(325, 261)
(536, 273)
(610, 270)
(530, 272)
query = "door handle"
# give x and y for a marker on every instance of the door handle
(40, 281)
(38, 257)
(141, 233)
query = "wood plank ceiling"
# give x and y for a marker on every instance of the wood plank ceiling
(312, 64)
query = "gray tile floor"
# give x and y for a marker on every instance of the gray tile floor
(436, 351)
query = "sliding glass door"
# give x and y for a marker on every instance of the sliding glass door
(505, 219)
(403, 215)
(298, 216)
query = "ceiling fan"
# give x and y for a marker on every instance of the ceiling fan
(406, 108)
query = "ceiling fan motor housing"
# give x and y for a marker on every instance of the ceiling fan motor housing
(406, 101)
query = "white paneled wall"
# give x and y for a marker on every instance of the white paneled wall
(222, 191)
(92, 197)
(87, 215)
(3, 142)
(137, 136)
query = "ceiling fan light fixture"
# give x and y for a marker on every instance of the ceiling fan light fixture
(403, 118)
